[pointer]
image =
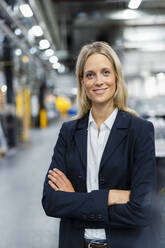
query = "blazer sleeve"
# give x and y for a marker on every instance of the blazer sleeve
(137, 212)
(89, 207)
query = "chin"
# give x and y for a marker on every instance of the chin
(101, 100)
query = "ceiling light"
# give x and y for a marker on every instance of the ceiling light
(126, 14)
(25, 59)
(44, 44)
(3, 88)
(56, 65)
(134, 4)
(61, 69)
(18, 31)
(160, 76)
(33, 50)
(144, 34)
(37, 31)
(53, 59)
(26, 10)
(18, 52)
(153, 47)
(49, 52)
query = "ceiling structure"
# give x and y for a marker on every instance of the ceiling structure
(69, 24)
(73, 23)
(137, 35)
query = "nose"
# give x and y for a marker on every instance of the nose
(99, 80)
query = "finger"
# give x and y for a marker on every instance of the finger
(62, 181)
(52, 178)
(56, 173)
(61, 175)
(53, 174)
(53, 186)
(57, 180)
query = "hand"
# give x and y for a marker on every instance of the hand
(117, 196)
(58, 181)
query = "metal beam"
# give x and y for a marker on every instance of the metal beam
(24, 45)
(5, 8)
(36, 7)
(44, 11)
(13, 37)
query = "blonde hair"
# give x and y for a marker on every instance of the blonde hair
(120, 96)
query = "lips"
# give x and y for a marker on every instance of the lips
(100, 91)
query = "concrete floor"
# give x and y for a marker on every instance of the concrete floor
(23, 223)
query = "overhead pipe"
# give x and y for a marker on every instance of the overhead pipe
(23, 44)
(36, 7)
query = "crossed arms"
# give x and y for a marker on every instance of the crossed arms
(59, 181)
(115, 208)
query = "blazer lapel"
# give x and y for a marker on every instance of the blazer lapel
(81, 138)
(118, 132)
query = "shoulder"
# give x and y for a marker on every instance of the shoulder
(139, 125)
(70, 127)
(67, 131)
(137, 120)
(76, 123)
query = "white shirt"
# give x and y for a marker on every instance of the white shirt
(95, 147)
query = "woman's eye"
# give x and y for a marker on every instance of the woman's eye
(89, 75)
(106, 73)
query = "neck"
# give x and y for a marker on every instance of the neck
(101, 113)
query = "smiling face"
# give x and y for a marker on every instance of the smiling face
(99, 80)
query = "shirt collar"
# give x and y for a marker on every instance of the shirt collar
(108, 122)
(90, 118)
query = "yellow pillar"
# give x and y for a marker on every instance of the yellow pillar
(23, 111)
(43, 118)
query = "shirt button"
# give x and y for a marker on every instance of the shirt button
(100, 217)
(91, 216)
(102, 181)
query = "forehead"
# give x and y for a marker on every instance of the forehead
(97, 60)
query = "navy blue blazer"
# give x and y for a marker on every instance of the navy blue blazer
(128, 163)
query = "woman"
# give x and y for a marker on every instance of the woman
(101, 181)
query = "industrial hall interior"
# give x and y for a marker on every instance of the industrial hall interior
(39, 44)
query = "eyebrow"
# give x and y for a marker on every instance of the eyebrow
(88, 71)
(106, 68)
(102, 69)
